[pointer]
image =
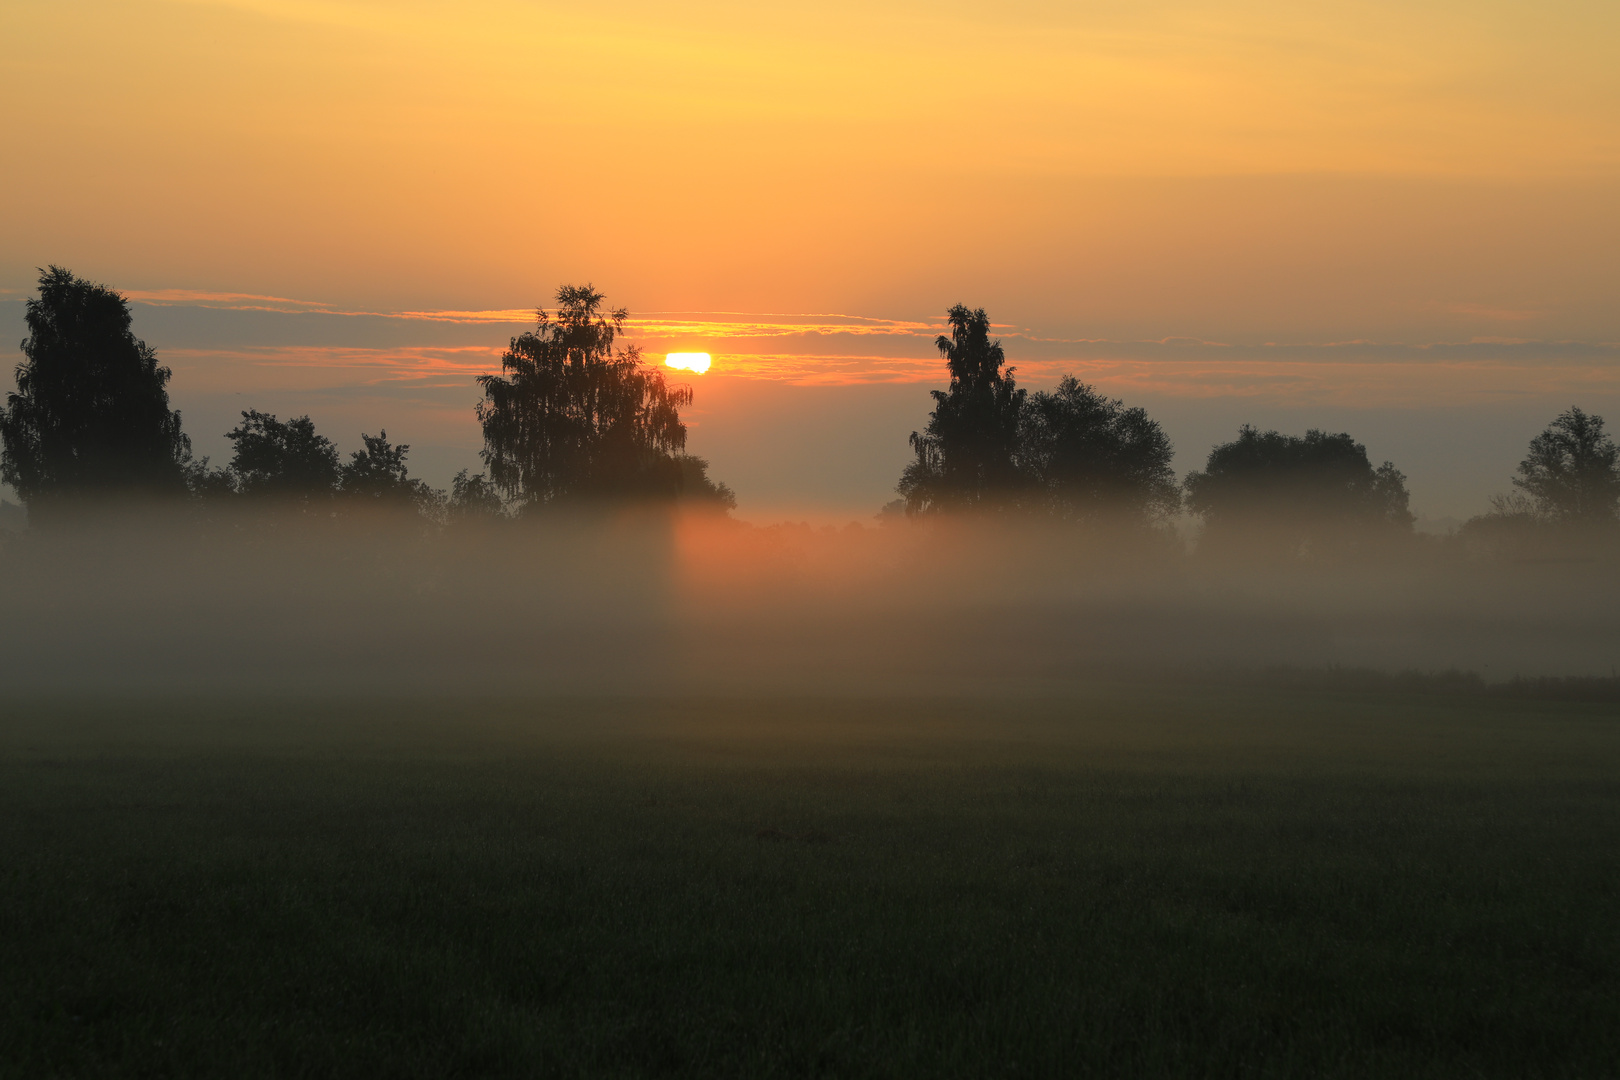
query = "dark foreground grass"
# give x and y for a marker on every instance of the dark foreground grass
(1171, 882)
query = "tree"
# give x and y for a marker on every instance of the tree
(285, 459)
(1297, 492)
(376, 475)
(966, 457)
(572, 418)
(698, 491)
(1572, 473)
(1089, 454)
(474, 498)
(91, 411)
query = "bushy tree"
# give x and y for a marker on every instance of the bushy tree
(572, 418)
(1070, 452)
(285, 459)
(698, 491)
(474, 498)
(377, 476)
(91, 412)
(1572, 473)
(966, 457)
(1283, 490)
(1088, 454)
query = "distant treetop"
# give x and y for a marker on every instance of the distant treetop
(1311, 491)
(1071, 454)
(1572, 472)
(1086, 454)
(282, 458)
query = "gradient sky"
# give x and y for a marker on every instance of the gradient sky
(1402, 220)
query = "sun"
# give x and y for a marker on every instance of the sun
(691, 361)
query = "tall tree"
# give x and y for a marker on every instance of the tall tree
(91, 411)
(1572, 473)
(571, 417)
(1315, 490)
(1089, 455)
(966, 457)
(285, 459)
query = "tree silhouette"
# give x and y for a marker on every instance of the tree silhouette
(474, 498)
(1089, 454)
(284, 459)
(1297, 493)
(698, 490)
(1572, 474)
(91, 411)
(572, 418)
(377, 476)
(966, 457)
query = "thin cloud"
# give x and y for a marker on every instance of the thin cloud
(232, 301)
(728, 324)
(827, 348)
(1414, 377)
(1492, 311)
(226, 301)
(303, 367)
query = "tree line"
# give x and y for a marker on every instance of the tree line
(1074, 454)
(574, 417)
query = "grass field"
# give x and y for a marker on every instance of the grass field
(1137, 881)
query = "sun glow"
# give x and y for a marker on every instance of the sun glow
(690, 361)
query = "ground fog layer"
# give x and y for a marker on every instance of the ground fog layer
(654, 602)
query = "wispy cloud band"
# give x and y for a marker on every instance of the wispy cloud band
(840, 348)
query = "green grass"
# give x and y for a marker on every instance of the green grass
(1172, 881)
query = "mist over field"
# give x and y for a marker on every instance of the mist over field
(648, 601)
(821, 540)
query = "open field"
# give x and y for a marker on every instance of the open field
(1160, 880)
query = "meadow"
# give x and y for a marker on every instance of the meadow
(1154, 878)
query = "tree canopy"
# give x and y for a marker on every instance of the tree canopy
(1572, 472)
(1089, 454)
(698, 490)
(1310, 490)
(474, 498)
(282, 458)
(90, 414)
(377, 475)
(966, 456)
(573, 418)
(1071, 452)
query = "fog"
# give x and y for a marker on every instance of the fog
(649, 602)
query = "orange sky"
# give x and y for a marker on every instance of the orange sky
(1264, 207)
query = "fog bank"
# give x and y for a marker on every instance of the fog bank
(648, 602)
